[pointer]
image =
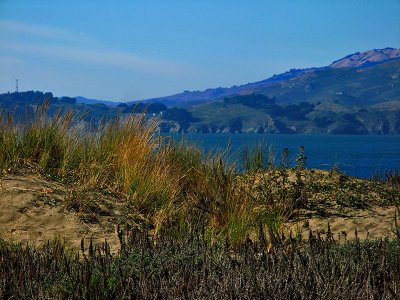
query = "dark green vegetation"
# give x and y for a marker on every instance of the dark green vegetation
(22, 107)
(337, 101)
(190, 267)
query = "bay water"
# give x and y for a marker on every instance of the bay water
(361, 156)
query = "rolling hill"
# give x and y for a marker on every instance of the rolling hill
(331, 100)
(358, 60)
(361, 98)
(358, 94)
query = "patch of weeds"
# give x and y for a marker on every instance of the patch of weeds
(396, 224)
(256, 159)
(23, 209)
(350, 200)
(390, 196)
(191, 266)
(300, 192)
(87, 205)
(320, 211)
(47, 200)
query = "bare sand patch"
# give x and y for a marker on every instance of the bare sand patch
(372, 223)
(33, 211)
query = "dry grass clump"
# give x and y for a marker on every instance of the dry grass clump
(126, 157)
(168, 182)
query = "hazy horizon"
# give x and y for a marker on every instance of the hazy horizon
(131, 50)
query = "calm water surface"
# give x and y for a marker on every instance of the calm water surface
(359, 156)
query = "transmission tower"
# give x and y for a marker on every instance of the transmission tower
(16, 85)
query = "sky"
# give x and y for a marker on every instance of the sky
(124, 50)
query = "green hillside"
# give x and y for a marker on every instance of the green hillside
(351, 86)
(338, 101)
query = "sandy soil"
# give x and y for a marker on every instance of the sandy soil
(34, 210)
(372, 223)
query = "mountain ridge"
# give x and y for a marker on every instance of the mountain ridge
(85, 100)
(364, 99)
(188, 98)
(354, 60)
(328, 100)
(366, 58)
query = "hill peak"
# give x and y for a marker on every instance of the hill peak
(361, 59)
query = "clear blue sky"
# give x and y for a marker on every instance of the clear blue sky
(129, 50)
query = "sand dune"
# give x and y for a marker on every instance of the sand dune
(34, 210)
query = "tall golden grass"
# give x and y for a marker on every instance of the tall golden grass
(169, 182)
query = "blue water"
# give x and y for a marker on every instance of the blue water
(360, 156)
